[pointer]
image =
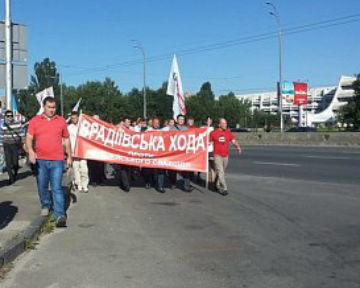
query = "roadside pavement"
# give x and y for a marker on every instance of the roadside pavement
(19, 214)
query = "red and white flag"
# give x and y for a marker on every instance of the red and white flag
(40, 96)
(175, 89)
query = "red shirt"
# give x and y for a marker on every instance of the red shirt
(48, 135)
(221, 139)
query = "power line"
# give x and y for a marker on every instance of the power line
(226, 44)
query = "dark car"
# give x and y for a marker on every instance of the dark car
(239, 130)
(302, 129)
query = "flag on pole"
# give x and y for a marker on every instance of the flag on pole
(18, 117)
(77, 105)
(175, 89)
(40, 96)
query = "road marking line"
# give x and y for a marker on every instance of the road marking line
(276, 164)
(326, 157)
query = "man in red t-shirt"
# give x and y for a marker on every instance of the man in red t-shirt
(44, 141)
(221, 138)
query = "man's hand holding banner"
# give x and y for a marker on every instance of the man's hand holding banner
(176, 150)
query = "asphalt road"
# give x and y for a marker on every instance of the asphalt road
(292, 219)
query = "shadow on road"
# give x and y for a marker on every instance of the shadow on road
(20, 176)
(7, 213)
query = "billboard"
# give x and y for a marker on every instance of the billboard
(300, 93)
(287, 94)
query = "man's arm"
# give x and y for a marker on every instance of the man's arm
(237, 146)
(30, 148)
(68, 151)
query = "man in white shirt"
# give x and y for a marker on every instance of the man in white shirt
(80, 167)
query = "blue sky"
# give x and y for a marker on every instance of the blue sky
(83, 35)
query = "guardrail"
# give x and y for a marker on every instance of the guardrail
(301, 138)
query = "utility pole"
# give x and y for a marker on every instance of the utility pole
(8, 56)
(276, 15)
(61, 91)
(138, 45)
(61, 95)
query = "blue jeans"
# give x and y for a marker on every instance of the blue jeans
(51, 172)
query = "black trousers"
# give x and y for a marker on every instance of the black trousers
(123, 174)
(156, 177)
(185, 175)
(96, 171)
(11, 152)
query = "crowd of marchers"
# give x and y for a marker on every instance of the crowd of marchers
(48, 142)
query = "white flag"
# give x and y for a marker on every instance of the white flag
(77, 105)
(40, 96)
(175, 89)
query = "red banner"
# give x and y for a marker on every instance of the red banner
(176, 150)
(300, 93)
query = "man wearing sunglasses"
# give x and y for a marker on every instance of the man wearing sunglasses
(12, 141)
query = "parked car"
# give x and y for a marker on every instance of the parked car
(239, 130)
(302, 129)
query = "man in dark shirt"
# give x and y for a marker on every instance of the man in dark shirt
(12, 133)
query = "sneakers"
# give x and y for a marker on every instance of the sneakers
(223, 192)
(83, 190)
(189, 189)
(60, 222)
(161, 190)
(44, 212)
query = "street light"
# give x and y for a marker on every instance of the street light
(137, 45)
(275, 13)
(61, 93)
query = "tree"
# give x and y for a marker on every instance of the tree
(46, 75)
(159, 103)
(234, 110)
(202, 104)
(350, 113)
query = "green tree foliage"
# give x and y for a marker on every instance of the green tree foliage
(350, 113)
(106, 100)
(46, 75)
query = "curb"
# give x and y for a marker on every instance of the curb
(17, 246)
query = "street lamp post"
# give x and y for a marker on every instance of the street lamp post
(8, 55)
(276, 15)
(61, 93)
(137, 45)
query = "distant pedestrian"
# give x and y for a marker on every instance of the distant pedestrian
(208, 124)
(170, 125)
(191, 123)
(12, 137)
(221, 138)
(180, 126)
(123, 172)
(46, 137)
(96, 169)
(80, 168)
(152, 175)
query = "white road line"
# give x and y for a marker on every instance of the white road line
(276, 164)
(326, 157)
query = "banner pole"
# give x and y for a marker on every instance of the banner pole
(207, 159)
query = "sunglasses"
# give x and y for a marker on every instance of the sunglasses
(9, 115)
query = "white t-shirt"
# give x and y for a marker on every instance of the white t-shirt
(72, 128)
